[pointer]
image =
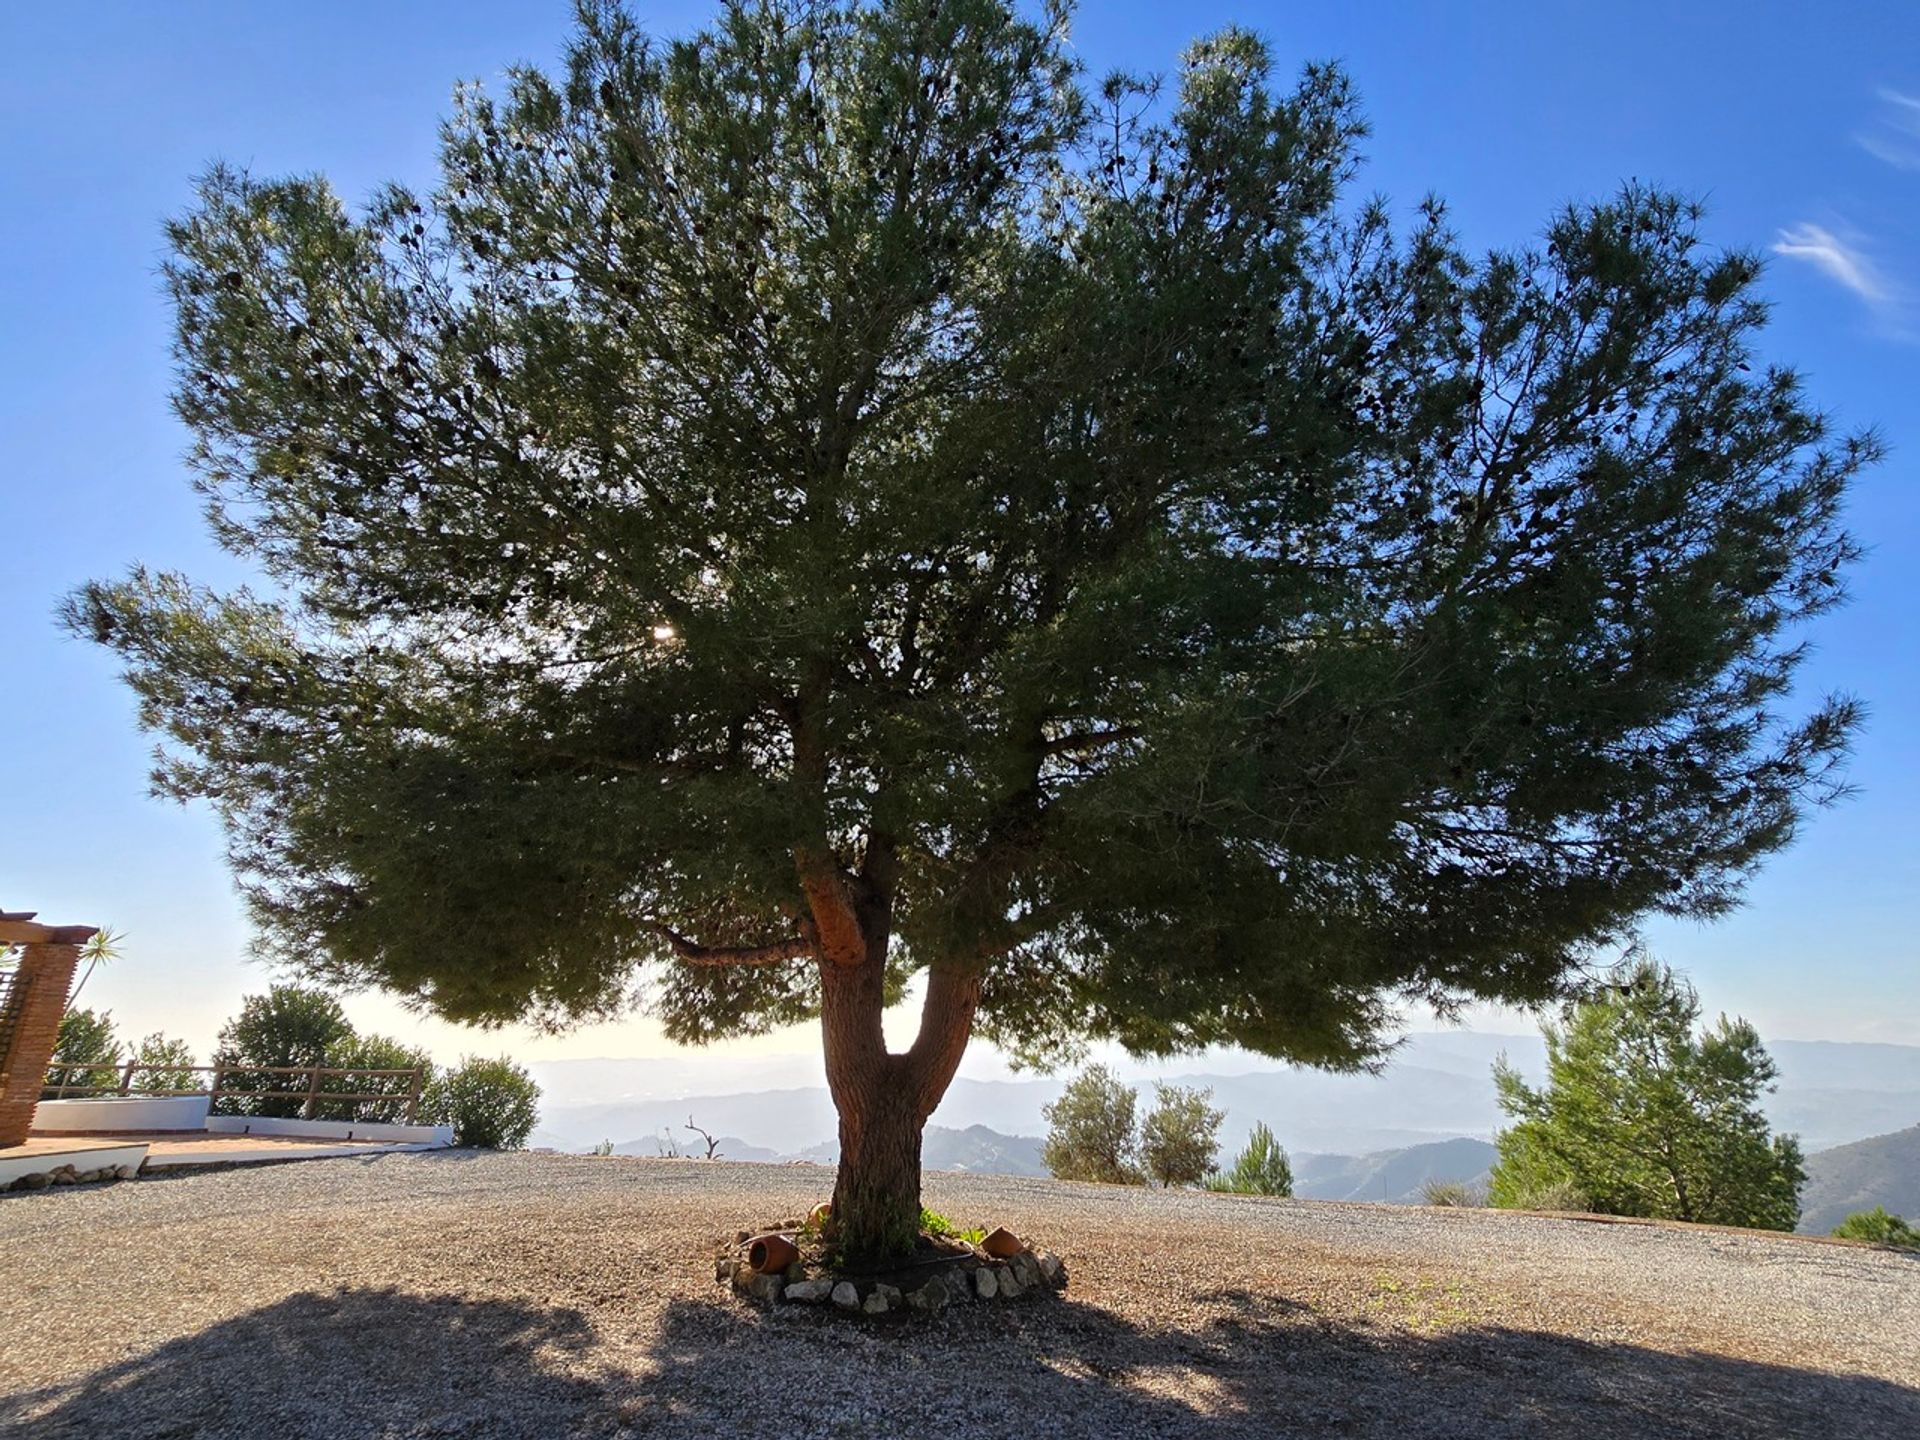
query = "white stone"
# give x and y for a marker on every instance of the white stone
(845, 1296)
(985, 1282)
(1050, 1267)
(809, 1292)
(1009, 1285)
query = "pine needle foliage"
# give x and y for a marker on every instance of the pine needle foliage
(1646, 1113)
(843, 470)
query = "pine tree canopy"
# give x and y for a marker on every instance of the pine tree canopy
(1646, 1113)
(842, 490)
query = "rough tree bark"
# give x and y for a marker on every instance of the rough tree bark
(883, 1099)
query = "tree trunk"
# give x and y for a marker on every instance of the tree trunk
(884, 1100)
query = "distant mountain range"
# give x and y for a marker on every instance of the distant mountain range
(1395, 1177)
(1437, 1087)
(975, 1148)
(1884, 1170)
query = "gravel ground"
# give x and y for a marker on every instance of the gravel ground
(455, 1294)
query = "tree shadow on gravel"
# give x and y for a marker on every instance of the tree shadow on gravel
(380, 1363)
(357, 1362)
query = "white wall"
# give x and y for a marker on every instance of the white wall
(329, 1129)
(121, 1114)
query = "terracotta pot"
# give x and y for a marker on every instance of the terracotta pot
(817, 1216)
(1002, 1243)
(769, 1254)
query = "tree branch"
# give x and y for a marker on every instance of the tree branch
(691, 952)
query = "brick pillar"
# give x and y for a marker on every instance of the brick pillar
(45, 977)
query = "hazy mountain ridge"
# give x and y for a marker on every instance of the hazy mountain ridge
(1882, 1170)
(1437, 1087)
(1394, 1177)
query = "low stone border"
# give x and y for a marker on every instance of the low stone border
(72, 1175)
(970, 1277)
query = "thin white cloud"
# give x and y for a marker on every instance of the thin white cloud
(1894, 135)
(1835, 258)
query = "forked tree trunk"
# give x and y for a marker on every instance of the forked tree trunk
(884, 1100)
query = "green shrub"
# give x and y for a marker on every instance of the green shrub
(934, 1223)
(1260, 1169)
(1544, 1194)
(1453, 1194)
(492, 1104)
(1877, 1227)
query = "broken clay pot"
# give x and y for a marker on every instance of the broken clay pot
(1002, 1243)
(769, 1253)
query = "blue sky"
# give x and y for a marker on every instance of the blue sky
(1798, 124)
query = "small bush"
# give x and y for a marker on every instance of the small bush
(1453, 1194)
(1260, 1169)
(1877, 1227)
(491, 1104)
(1546, 1195)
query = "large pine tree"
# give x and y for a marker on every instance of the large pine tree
(833, 500)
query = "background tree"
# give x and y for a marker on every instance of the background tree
(362, 1053)
(175, 1057)
(86, 1054)
(1642, 1116)
(1262, 1168)
(493, 1104)
(1180, 1137)
(290, 1025)
(833, 501)
(1090, 1130)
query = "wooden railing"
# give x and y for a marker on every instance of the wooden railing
(310, 1094)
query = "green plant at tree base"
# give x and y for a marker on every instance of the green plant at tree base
(1180, 1136)
(1262, 1168)
(932, 1222)
(840, 501)
(1877, 1227)
(1090, 1130)
(492, 1104)
(1641, 1115)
